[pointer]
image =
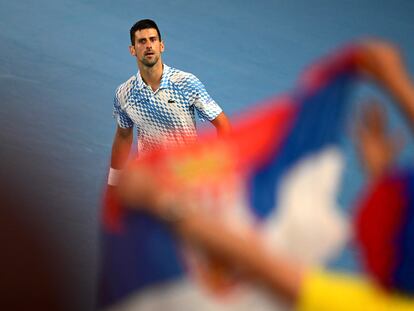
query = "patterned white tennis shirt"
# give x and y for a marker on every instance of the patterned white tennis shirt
(165, 117)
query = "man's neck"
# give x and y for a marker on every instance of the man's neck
(152, 75)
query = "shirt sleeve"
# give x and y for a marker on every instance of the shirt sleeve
(323, 291)
(206, 107)
(119, 114)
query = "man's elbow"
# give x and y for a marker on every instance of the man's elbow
(124, 133)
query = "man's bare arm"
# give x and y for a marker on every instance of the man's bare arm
(383, 62)
(121, 147)
(222, 124)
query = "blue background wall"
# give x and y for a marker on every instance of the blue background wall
(60, 62)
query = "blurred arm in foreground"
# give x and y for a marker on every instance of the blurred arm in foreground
(304, 287)
(382, 62)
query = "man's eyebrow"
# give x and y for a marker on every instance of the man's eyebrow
(145, 38)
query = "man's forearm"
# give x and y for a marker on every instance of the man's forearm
(382, 61)
(121, 148)
(281, 276)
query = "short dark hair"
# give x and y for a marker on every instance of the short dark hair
(143, 24)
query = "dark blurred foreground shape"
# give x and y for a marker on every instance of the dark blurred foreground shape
(29, 262)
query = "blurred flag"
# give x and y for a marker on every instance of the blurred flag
(385, 230)
(278, 176)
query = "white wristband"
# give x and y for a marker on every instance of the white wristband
(113, 176)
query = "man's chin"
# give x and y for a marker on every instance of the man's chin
(149, 63)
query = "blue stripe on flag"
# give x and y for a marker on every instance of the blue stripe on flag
(320, 122)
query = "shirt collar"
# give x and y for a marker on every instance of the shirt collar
(165, 79)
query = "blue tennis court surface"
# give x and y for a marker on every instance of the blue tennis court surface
(60, 62)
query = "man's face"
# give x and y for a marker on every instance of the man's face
(147, 47)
